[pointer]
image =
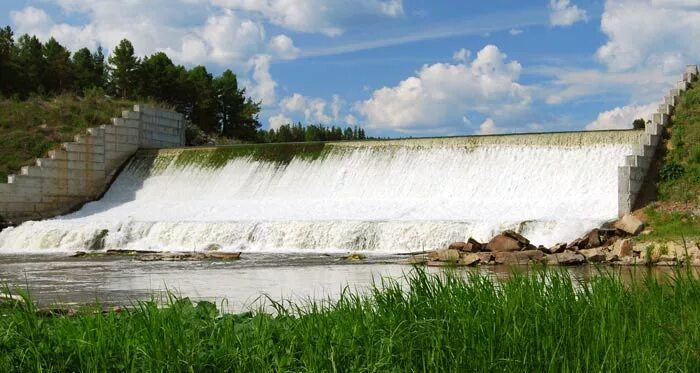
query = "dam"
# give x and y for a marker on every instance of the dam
(383, 196)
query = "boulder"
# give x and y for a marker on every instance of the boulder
(459, 246)
(630, 224)
(567, 258)
(622, 248)
(503, 243)
(594, 255)
(556, 249)
(695, 263)
(474, 246)
(469, 260)
(578, 244)
(417, 260)
(224, 256)
(518, 257)
(444, 255)
(516, 236)
(593, 239)
(485, 257)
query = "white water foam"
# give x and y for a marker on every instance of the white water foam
(374, 199)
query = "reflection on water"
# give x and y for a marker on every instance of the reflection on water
(243, 284)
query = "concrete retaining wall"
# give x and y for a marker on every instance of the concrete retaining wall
(631, 176)
(80, 171)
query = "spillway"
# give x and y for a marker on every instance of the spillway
(375, 196)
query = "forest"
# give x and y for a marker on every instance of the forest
(217, 106)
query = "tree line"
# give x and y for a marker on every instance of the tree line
(216, 105)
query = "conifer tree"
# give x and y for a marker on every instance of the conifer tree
(124, 65)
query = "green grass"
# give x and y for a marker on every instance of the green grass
(541, 321)
(30, 128)
(668, 226)
(680, 173)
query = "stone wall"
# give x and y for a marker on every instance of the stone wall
(80, 171)
(631, 176)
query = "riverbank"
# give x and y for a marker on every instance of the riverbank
(536, 321)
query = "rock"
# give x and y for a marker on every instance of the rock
(444, 255)
(556, 249)
(474, 246)
(469, 260)
(503, 243)
(695, 263)
(594, 255)
(622, 248)
(629, 261)
(516, 236)
(593, 239)
(629, 224)
(417, 260)
(578, 244)
(460, 246)
(237, 255)
(518, 257)
(567, 258)
(485, 257)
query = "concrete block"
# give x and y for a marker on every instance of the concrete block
(676, 93)
(651, 140)
(128, 114)
(653, 128)
(83, 148)
(665, 109)
(670, 100)
(683, 85)
(660, 118)
(692, 69)
(96, 132)
(688, 77)
(70, 165)
(131, 123)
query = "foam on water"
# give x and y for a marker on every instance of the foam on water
(372, 198)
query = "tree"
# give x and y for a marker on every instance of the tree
(84, 70)
(8, 69)
(30, 58)
(158, 78)
(98, 60)
(202, 101)
(639, 124)
(124, 67)
(57, 75)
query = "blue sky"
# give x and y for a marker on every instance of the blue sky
(407, 67)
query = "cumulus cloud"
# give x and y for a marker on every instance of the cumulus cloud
(283, 47)
(488, 127)
(262, 88)
(563, 13)
(462, 55)
(650, 33)
(279, 120)
(313, 109)
(440, 94)
(330, 17)
(622, 117)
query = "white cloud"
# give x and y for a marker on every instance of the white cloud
(488, 127)
(515, 31)
(462, 55)
(279, 120)
(283, 47)
(440, 94)
(661, 34)
(622, 117)
(563, 13)
(263, 86)
(330, 17)
(350, 120)
(313, 109)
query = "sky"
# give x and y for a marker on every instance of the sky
(407, 67)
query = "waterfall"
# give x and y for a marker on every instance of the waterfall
(377, 197)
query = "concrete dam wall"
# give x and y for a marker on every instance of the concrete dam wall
(381, 196)
(80, 171)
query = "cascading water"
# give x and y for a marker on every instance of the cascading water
(380, 197)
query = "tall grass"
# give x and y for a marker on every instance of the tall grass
(542, 321)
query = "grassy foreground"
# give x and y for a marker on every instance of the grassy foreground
(542, 321)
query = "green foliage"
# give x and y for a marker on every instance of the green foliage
(542, 321)
(671, 171)
(58, 75)
(680, 172)
(124, 66)
(300, 133)
(667, 226)
(639, 124)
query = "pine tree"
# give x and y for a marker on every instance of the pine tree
(124, 67)
(8, 69)
(57, 76)
(30, 58)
